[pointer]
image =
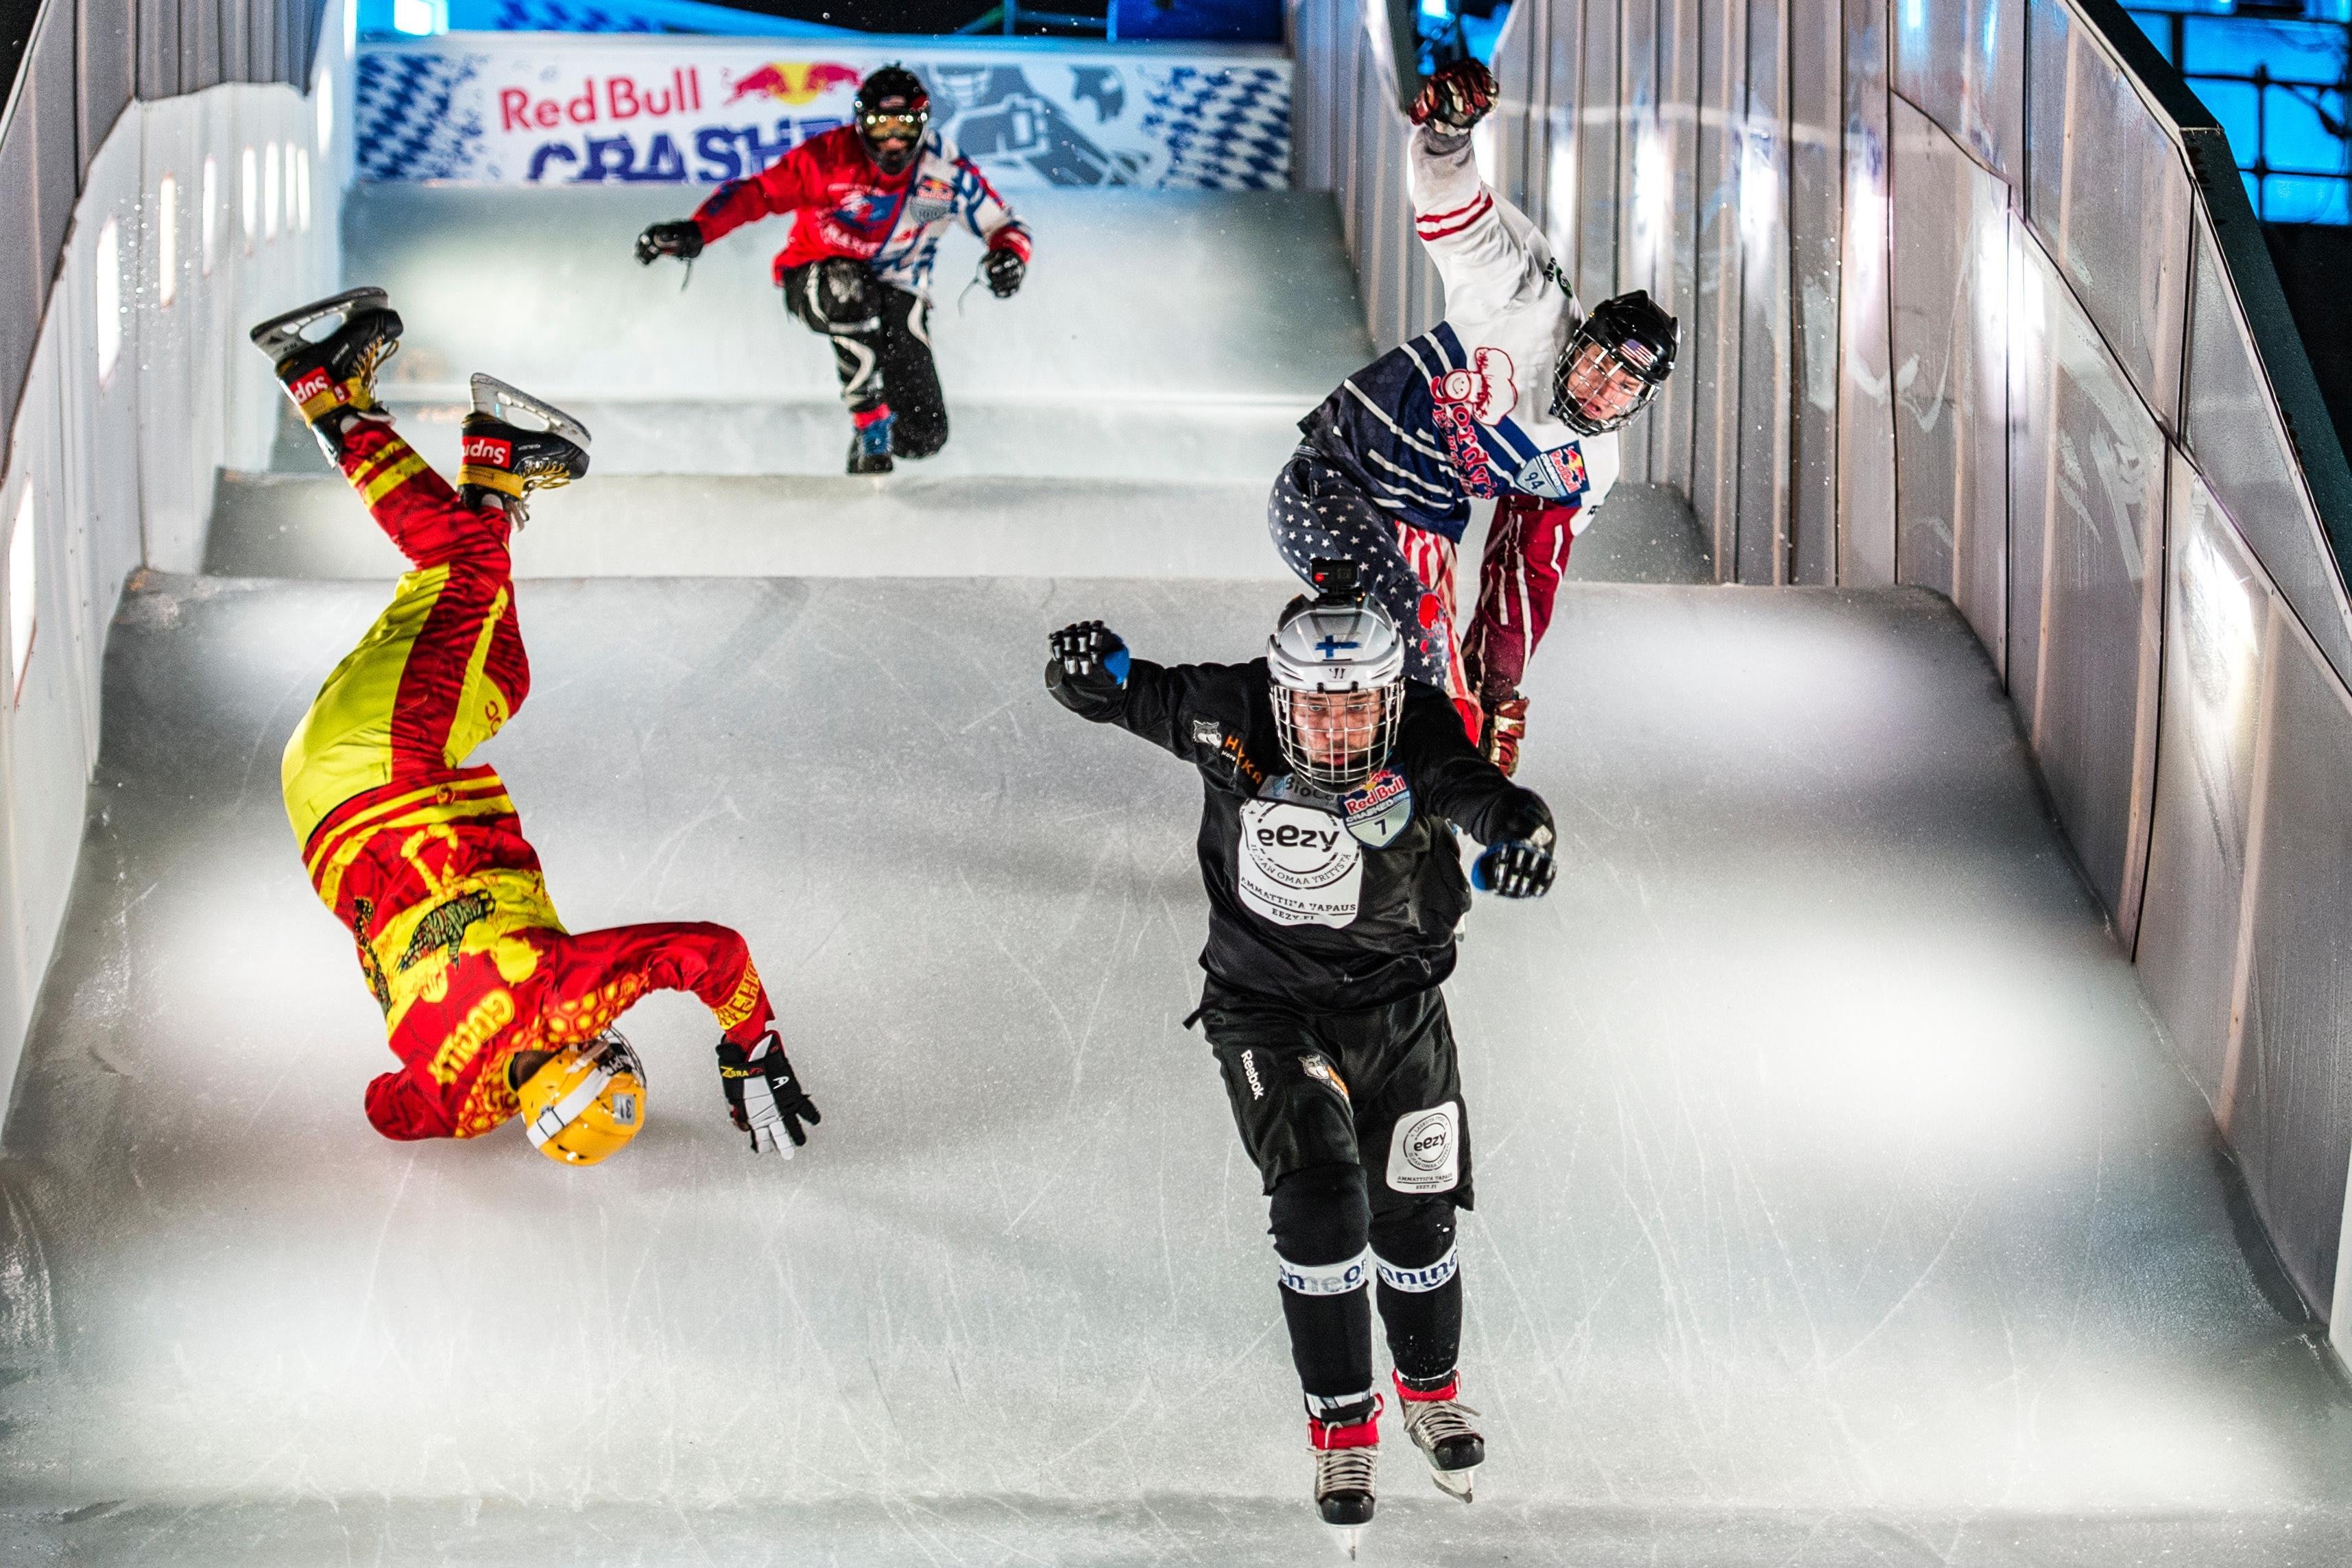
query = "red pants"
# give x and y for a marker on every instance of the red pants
(442, 669)
(1518, 580)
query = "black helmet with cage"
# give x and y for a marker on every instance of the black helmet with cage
(1615, 362)
(893, 113)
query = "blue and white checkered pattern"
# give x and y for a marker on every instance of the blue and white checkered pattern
(555, 17)
(1226, 127)
(412, 118)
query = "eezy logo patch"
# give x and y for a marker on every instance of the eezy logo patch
(1425, 1150)
(1297, 865)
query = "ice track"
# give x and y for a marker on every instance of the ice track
(1840, 1202)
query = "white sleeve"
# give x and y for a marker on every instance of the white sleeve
(1483, 262)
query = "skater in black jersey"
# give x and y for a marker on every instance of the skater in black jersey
(1334, 787)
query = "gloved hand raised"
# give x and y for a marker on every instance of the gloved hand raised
(682, 239)
(1515, 868)
(763, 1097)
(1003, 269)
(1454, 98)
(1088, 663)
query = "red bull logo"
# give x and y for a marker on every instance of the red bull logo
(793, 81)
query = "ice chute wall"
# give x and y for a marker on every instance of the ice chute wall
(1972, 299)
(164, 171)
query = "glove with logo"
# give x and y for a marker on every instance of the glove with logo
(1515, 868)
(763, 1097)
(1003, 269)
(682, 239)
(1454, 98)
(1089, 665)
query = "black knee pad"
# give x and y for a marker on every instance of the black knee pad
(914, 437)
(1321, 1215)
(1413, 1233)
(841, 293)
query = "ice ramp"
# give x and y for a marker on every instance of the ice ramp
(1839, 1204)
(1162, 335)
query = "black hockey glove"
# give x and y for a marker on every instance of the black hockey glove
(1515, 868)
(1454, 98)
(682, 239)
(1089, 665)
(1003, 269)
(763, 1097)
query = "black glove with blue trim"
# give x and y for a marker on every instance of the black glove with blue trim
(1088, 666)
(1515, 868)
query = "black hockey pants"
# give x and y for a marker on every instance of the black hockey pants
(1355, 1121)
(881, 348)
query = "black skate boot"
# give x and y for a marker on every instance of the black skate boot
(510, 461)
(869, 447)
(1438, 1423)
(1346, 1454)
(332, 378)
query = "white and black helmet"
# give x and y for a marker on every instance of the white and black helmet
(1335, 642)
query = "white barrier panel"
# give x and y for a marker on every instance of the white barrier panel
(199, 215)
(561, 108)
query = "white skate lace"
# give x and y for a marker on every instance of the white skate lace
(1344, 1470)
(1430, 1422)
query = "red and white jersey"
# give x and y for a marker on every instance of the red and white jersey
(1463, 411)
(844, 205)
(1509, 305)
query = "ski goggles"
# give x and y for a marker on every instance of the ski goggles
(892, 125)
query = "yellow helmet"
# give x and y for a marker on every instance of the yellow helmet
(585, 1101)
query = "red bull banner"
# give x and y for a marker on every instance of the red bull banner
(523, 108)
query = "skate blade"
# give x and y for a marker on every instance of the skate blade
(1347, 1537)
(1455, 1483)
(494, 397)
(281, 335)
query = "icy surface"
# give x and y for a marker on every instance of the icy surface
(1840, 1203)
(275, 524)
(1146, 343)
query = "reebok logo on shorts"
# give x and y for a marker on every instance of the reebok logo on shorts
(1425, 1150)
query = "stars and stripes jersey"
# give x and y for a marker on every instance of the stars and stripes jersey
(1463, 411)
(842, 205)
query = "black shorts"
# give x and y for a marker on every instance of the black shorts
(1380, 1087)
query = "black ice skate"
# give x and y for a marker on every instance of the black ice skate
(498, 458)
(1438, 1423)
(326, 376)
(1346, 1454)
(869, 447)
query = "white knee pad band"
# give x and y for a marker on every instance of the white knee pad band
(1326, 1278)
(1428, 1277)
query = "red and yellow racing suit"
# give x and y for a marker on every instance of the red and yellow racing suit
(424, 862)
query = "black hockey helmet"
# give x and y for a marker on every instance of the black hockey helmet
(1615, 362)
(893, 112)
